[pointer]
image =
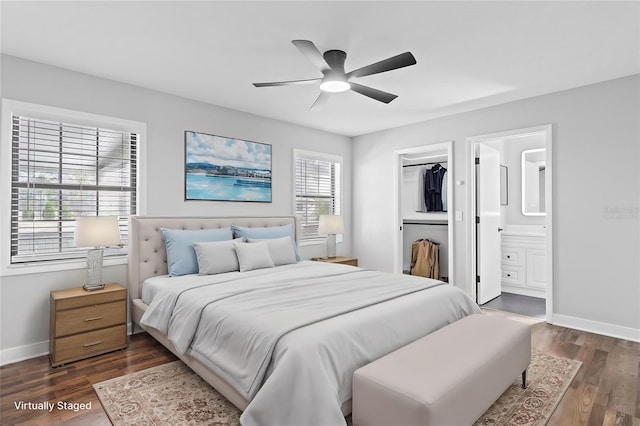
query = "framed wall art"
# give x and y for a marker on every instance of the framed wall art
(218, 168)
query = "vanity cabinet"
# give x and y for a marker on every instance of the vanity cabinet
(524, 264)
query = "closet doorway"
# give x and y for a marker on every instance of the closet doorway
(510, 233)
(412, 224)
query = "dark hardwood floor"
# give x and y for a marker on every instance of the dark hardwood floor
(35, 380)
(606, 390)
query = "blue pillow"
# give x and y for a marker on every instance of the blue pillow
(267, 233)
(181, 257)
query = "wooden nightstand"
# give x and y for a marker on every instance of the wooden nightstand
(351, 261)
(87, 323)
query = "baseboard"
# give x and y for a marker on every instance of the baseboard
(523, 291)
(20, 353)
(611, 330)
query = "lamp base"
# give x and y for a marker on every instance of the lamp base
(94, 270)
(331, 246)
(87, 287)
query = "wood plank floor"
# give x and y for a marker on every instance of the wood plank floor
(606, 390)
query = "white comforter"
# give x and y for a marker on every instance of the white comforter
(289, 338)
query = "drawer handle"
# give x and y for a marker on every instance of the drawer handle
(86, 345)
(508, 275)
(92, 319)
(508, 257)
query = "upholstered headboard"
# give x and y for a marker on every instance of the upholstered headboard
(147, 254)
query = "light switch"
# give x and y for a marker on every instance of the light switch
(458, 216)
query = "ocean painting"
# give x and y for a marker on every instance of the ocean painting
(218, 168)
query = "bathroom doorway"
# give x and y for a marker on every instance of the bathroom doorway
(510, 244)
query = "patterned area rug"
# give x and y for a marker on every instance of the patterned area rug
(172, 394)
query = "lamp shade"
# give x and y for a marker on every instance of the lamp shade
(331, 224)
(97, 231)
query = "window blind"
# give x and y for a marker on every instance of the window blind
(61, 171)
(318, 184)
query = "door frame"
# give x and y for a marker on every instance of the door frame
(397, 211)
(471, 223)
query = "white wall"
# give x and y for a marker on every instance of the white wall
(596, 269)
(24, 303)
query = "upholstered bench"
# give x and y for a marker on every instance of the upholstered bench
(447, 378)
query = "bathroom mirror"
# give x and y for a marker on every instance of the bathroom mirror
(533, 182)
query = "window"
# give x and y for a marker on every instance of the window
(318, 184)
(60, 171)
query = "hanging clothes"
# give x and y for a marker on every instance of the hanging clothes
(444, 190)
(419, 204)
(425, 259)
(433, 188)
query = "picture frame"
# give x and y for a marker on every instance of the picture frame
(220, 168)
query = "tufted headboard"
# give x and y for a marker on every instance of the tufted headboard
(147, 254)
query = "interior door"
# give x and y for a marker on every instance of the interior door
(488, 230)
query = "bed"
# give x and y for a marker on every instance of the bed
(280, 343)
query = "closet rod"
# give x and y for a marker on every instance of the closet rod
(425, 164)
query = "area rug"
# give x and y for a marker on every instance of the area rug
(171, 394)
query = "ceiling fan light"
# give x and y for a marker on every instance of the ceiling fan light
(335, 86)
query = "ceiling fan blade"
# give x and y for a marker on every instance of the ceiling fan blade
(376, 94)
(399, 61)
(287, 83)
(312, 53)
(322, 99)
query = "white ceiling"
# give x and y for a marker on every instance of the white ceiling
(470, 54)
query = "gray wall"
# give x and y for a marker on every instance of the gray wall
(596, 178)
(24, 300)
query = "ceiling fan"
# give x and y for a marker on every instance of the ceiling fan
(334, 78)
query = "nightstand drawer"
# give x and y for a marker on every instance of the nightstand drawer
(89, 298)
(88, 318)
(92, 343)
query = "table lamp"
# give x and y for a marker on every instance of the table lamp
(97, 232)
(331, 225)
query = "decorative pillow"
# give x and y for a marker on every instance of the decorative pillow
(181, 257)
(267, 233)
(280, 249)
(216, 257)
(253, 256)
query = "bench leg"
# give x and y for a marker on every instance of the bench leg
(524, 379)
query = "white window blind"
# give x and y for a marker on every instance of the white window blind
(317, 189)
(61, 171)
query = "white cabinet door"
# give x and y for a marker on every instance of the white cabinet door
(536, 268)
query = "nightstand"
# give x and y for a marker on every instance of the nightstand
(87, 323)
(351, 261)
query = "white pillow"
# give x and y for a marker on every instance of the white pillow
(281, 250)
(216, 257)
(253, 256)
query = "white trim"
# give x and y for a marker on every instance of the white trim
(32, 350)
(397, 214)
(471, 179)
(513, 289)
(56, 265)
(606, 329)
(321, 156)
(11, 107)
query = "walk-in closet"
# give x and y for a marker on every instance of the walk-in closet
(425, 203)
